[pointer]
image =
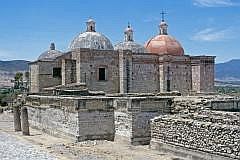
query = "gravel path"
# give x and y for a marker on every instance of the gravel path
(41, 146)
(14, 149)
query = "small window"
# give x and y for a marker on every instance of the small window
(102, 74)
(57, 72)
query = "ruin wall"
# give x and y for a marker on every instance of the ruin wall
(133, 114)
(212, 132)
(78, 118)
(226, 105)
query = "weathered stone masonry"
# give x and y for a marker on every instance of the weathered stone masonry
(211, 132)
(94, 117)
(133, 114)
(79, 118)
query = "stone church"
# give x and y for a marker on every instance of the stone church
(127, 67)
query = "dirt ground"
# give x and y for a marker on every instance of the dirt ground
(66, 149)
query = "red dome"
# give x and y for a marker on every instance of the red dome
(164, 44)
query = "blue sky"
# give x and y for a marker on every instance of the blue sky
(204, 27)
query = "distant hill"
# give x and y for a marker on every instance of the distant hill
(228, 71)
(14, 66)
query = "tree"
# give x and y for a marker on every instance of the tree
(18, 80)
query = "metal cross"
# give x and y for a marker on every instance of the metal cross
(128, 24)
(163, 13)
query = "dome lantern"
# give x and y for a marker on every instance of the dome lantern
(128, 43)
(52, 46)
(91, 25)
(163, 28)
(128, 34)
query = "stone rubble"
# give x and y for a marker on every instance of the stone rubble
(195, 126)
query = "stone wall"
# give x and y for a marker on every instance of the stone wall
(176, 69)
(125, 72)
(34, 78)
(41, 75)
(79, 118)
(226, 105)
(57, 122)
(133, 114)
(96, 119)
(145, 74)
(68, 71)
(203, 73)
(208, 131)
(91, 61)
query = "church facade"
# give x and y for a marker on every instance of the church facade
(127, 67)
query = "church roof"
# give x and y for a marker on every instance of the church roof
(50, 54)
(91, 39)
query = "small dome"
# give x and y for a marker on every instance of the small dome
(129, 43)
(164, 43)
(50, 54)
(91, 39)
(134, 47)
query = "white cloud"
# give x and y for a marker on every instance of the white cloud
(212, 35)
(214, 3)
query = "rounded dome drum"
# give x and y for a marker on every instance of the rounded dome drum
(128, 43)
(50, 54)
(164, 43)
(91, 39)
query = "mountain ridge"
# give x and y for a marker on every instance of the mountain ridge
(228, 71)
(14, 65)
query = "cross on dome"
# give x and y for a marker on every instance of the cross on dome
(163, 13)
(163, 27)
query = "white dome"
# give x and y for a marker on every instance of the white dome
(130, 45)
(92, 40)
